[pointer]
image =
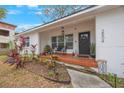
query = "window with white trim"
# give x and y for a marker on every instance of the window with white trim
(27, 42)
(54, 42)
(59, 42)
(69, 41)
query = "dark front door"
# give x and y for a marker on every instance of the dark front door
(84, 43)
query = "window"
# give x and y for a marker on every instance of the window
(60, 43)
(3, 45)
(27, 42)
(54, 42)
(69, 41)
(4, 33)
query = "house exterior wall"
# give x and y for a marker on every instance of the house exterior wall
(84, 26)
(33, 39)
(7, 27)
(112, 49)
(6, 39)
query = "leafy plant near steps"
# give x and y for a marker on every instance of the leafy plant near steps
(113, 80)
(93, 49)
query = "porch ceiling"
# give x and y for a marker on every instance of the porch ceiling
(74, 23)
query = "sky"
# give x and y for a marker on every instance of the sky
(28, 16)
(24, 17)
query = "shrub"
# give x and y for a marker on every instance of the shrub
(93, 49)
(47, 49)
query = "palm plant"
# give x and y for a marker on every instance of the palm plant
(3, 13)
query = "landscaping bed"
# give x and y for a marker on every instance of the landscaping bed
(22, 78)
(60, 76)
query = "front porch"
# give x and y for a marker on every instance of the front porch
(72, 38)
(85, 62)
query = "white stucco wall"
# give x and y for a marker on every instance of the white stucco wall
(34, 39)
(84, 26)
(112, 49)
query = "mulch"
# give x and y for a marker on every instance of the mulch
(42, 70)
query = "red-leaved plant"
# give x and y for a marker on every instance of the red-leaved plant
(21, 42)
(14, 56)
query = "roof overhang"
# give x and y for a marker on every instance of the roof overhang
(8, 24)
(80, 15)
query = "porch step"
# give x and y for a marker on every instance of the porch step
(85, 62)
(85, 56)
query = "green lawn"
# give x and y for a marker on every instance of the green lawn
(3, 58)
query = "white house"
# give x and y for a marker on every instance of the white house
(101, 25)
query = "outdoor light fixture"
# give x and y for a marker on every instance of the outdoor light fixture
(102, 36)
(63, 32)
(75, 28)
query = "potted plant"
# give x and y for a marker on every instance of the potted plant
(47, 49)
(93, 50)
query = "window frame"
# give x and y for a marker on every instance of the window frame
(27, 42)
(67, 41)
(64, 41)
(54, 42)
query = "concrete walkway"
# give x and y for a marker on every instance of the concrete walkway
(83, 80)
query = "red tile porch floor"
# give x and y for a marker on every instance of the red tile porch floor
(85, 62)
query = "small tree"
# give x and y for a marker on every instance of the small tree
(3, 13)
(58, 11)
(11, 45)
(20, 43)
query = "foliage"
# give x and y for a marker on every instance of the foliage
(111, 77)
(92, 49)
(33, 50)
(3, 58)
(47, 49)
(11, 45)
(54, 57)
(113, 80)
(58, 11)
(3, 13)
(33, 47)
(20, 43)
(50, 64)
(51, 73)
